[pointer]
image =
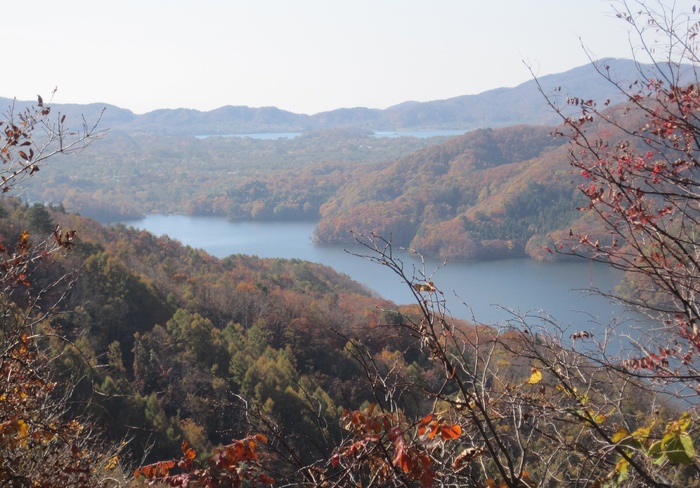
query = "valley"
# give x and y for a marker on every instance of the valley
(492, 192)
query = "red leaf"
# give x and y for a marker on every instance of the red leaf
(401, 458)
(188, 452)
(164, 467)
(448, 432)
(423, 424)
(263, 478)
(433, 430)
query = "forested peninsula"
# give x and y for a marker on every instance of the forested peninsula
(493, 192)
(128, 359)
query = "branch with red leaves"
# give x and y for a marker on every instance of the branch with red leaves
(230, 465)
(389, 449)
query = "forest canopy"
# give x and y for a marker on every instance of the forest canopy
(490, 193)
(130, 359)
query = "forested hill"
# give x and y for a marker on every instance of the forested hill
(522, 104)
(491, 193)
(167, 337)
(485, 194)
(481, 195)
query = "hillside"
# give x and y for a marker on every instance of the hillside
(138, 306)
(129, 359)
(481, 195)
(169, 353)
(132, 360)
(486, 194)
(124, 176)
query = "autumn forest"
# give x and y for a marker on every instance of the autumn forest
(128, 359)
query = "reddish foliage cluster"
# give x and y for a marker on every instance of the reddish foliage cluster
(653, 362)
(15, 261)
(230, 465)
(390, 447)
(19, 134)
(644, 189)
(583, 334)
(38, 447)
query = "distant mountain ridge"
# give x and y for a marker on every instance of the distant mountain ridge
(499, 107)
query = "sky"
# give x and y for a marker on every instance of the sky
(304, 56)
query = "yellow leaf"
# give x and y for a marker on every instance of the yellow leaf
(600, 418)
(22, 428)
(535, 377)
(684, 422)
(621, 469)
(642, 433)
(112, 463)
(620, 435)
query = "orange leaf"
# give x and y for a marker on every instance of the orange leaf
(401, 458)
(164, 467)
(433, 429)
(263, 478)
(448, 432)
(146, 471)
(422, 425)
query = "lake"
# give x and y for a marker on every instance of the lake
(484, 291)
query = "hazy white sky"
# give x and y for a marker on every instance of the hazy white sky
(305, 56)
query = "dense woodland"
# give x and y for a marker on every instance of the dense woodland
(482, 195)
(162, 342)
(128, 175)
(131, 360)
(491, 193)
(157, 347)
(159, 344)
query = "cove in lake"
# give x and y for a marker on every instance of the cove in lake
(483, 291)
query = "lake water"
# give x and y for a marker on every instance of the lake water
(480, 290)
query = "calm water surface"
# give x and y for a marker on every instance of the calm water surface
(481, 290)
